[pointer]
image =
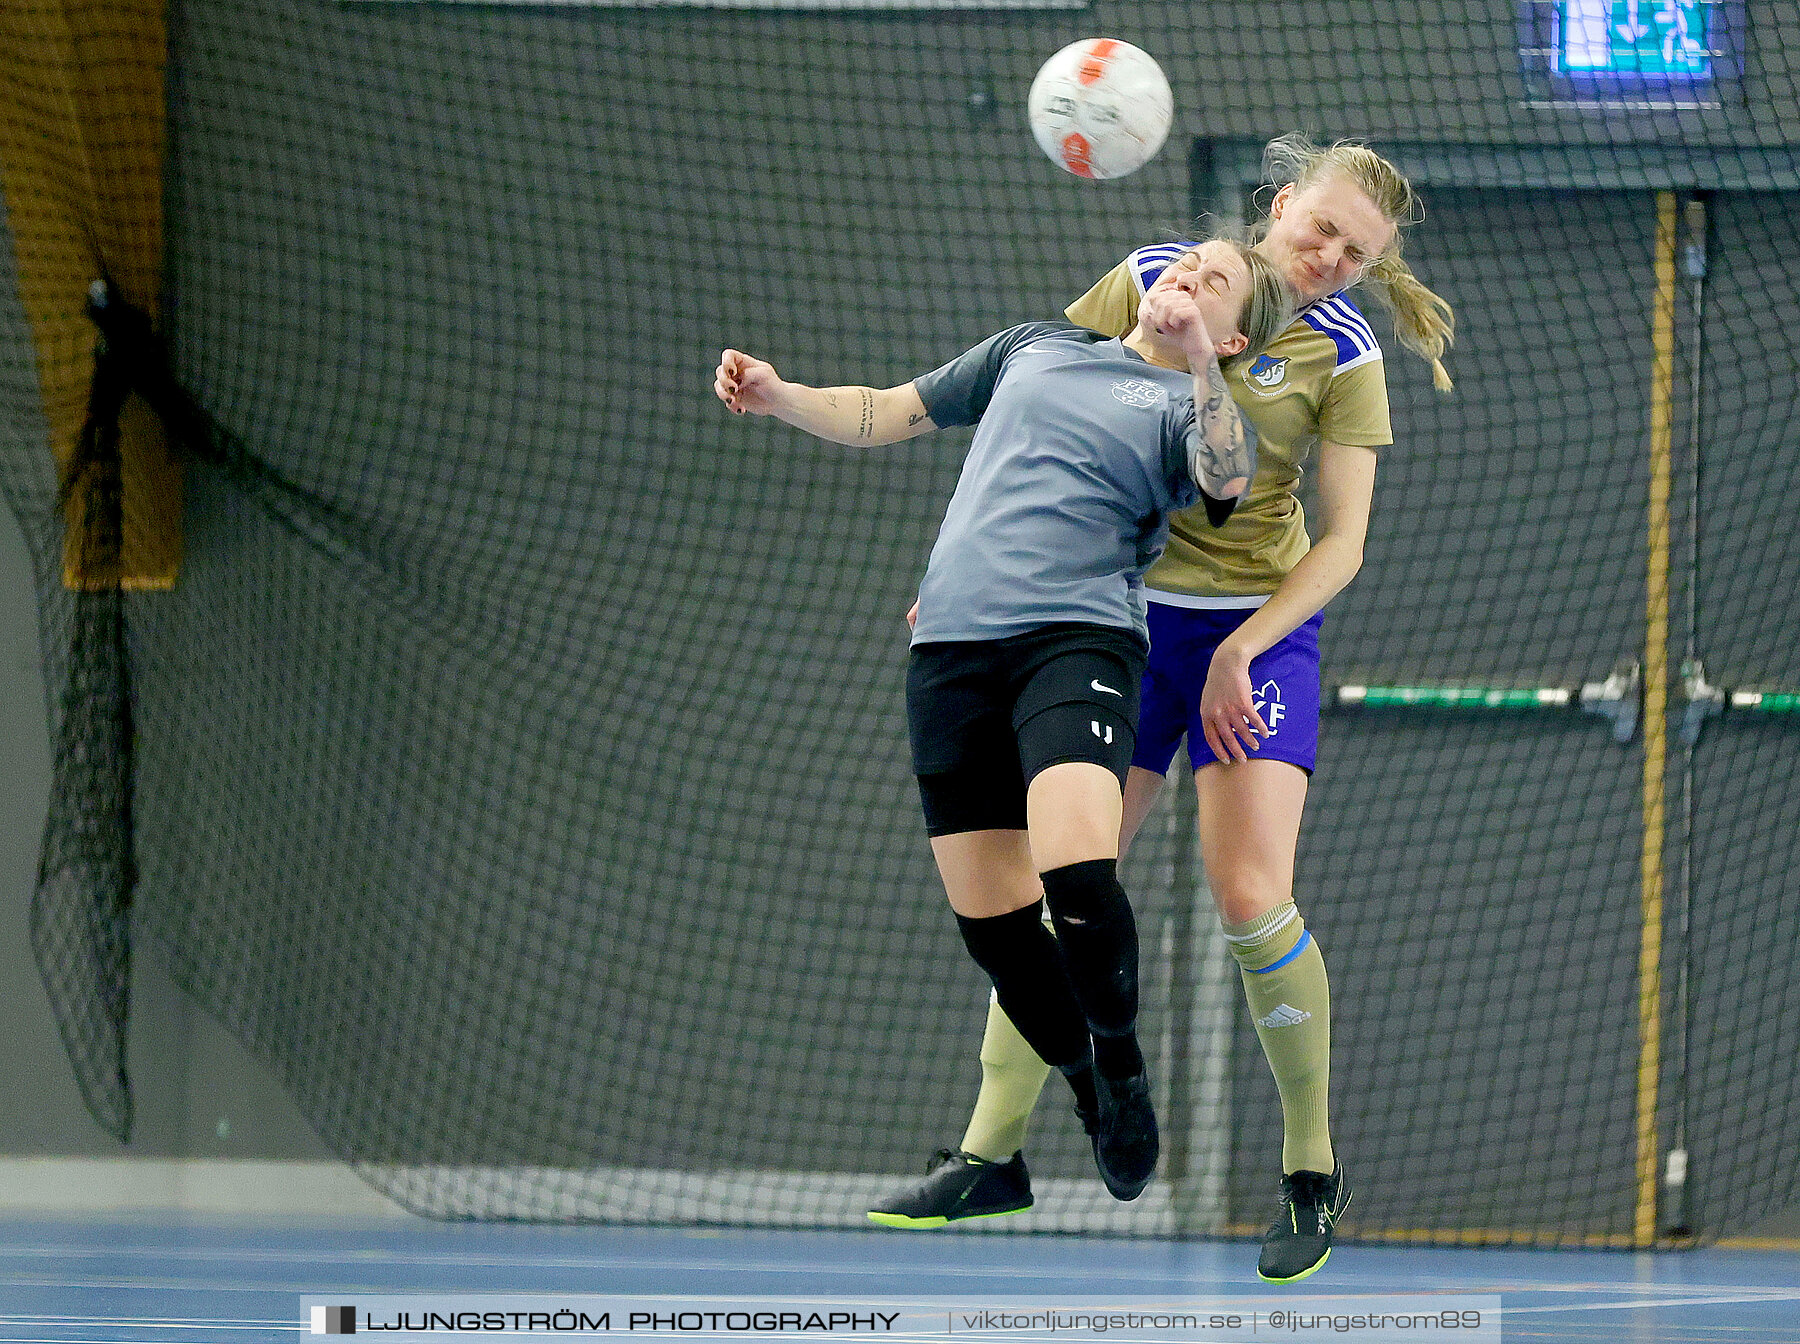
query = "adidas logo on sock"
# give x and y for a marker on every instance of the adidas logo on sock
(1284, 1016)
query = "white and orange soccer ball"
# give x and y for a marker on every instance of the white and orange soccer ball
(1100, 107)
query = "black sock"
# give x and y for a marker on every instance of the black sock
(1098, 937)
(1022, 959)
(1118, 1056)
(1081, 1083)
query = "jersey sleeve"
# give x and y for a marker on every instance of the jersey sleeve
(958, 392)
(1111, 306)
(1355, 408)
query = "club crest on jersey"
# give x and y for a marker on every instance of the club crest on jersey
(1140, 393)
(1267, 373)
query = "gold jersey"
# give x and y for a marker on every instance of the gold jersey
(1322, 378)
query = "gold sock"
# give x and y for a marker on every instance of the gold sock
(1290, 1002)
(1012, 1076)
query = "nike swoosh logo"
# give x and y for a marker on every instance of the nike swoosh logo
(1095, 683)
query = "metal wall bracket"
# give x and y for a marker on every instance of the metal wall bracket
(1619, 698)
(1704, 700)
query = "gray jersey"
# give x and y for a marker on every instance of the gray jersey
(1080, 455)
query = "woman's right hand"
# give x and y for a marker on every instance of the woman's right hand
(1228, 713)
(1173, 313)
(746, 384)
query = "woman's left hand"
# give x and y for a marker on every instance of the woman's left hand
(1228, 711)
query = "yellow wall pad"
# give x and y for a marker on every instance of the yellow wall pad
(1656, 702)
(81, 152)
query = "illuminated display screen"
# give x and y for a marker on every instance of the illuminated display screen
(1669, 39)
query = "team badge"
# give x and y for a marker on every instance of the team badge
(1140, 393)
(1267, 700)
(1267, 374)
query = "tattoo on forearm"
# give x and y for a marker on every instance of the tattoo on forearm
(868, 415)
(1221, 452)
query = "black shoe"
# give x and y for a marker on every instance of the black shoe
(1300, 1240)
(1124, 1134)
(959, 1185)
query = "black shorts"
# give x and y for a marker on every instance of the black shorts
(986, 716)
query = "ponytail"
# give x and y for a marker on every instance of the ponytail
(1423, 320)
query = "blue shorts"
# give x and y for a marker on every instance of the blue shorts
(1284, 679)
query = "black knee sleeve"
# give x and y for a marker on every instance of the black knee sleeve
(1022, 959)
(1098, 936)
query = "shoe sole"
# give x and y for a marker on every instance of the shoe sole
(1126, 1193)
(1295, 1278)
(907, 1221)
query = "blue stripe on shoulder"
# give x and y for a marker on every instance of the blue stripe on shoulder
(1348, 329)
(1344, 311)
(1346, 348)
(1354, 315)
(1149, 262)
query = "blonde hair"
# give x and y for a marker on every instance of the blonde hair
(1268, 307)
(1424, 321)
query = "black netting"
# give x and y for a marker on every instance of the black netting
(519, 765)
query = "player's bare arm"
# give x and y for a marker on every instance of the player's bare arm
(1346, 491)
(1221, 456)
(852, 415)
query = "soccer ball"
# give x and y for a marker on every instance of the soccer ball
(1100, 107)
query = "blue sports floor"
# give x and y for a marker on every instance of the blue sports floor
(222, 1281)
